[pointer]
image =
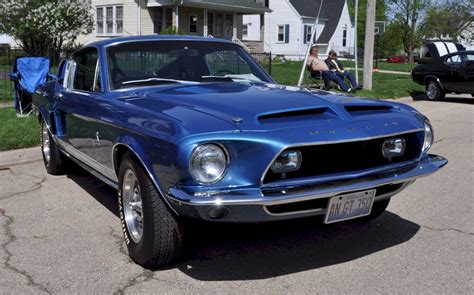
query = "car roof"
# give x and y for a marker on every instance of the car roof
(107, 42)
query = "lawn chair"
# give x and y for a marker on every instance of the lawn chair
(28, 73)
(316, 79)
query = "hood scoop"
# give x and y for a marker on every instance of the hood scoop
(364, 110)
(293, 117)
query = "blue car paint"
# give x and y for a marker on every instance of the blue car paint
(162, 125)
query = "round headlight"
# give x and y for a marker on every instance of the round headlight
(208, 163)
(429, 137)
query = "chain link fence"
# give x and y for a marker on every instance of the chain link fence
(264, 59)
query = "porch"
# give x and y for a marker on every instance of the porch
(220, 19)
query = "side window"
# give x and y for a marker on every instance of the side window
(61, 69)
(455, 60)
(86, 72)
(227, 62)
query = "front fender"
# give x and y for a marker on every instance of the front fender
(148, 160)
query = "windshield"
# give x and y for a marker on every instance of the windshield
(137, 64)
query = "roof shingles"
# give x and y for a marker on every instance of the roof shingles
(330, 11)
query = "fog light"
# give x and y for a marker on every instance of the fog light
(393, 147)
(287, 162)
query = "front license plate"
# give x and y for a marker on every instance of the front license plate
(349, 206)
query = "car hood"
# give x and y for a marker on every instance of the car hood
(270, 107)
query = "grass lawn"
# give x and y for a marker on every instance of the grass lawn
(16, 133)
(383, 66)
(384, 85)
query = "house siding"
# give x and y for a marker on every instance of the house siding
(336, 40)
(146, 16)
(253, 24)
(283, 14)
(130, 20)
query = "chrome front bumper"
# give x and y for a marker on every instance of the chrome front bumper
(254, 205)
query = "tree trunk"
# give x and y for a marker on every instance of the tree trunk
(411, 59)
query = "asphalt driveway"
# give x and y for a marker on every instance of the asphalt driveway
(62, 235)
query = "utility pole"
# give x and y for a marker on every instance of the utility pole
(369, 44)
(355, 42)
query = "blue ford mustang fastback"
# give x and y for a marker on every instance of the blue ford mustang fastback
(191, 127)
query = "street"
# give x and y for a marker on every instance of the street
(62, 235)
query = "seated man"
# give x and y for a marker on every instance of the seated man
(316, 65)
(335, 66)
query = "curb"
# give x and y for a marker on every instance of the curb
(20, 156)
(6, 105)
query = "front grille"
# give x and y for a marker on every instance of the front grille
(353, 156)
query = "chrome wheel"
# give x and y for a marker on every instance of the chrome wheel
(432, 91)
(132, 205)
(46, 143)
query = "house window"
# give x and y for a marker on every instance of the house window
(344, 37)
(210, 24)
(219, 25)
(245, 31)
(193, 24)
(110, 20)
(169, 18)
(283, 33)
(308, 31)
(100, 20)
(228, 26)
(157, 20)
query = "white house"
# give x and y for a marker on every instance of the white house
(287, 29)
(219, 18)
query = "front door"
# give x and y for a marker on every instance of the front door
(78, 104)
(192, 24)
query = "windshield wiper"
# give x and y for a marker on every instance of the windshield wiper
(222, 78)
(161, 80)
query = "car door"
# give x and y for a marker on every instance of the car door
(454, 78)
(77, 103)
(468, 67)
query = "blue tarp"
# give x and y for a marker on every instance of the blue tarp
(33, 72)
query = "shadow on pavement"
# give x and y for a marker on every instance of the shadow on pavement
(247, 252)
(103, 193)
(222, 252)
(450, 98)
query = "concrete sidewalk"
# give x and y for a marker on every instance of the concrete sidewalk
(383, 71)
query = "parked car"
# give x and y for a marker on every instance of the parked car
(397, 59)
(451, 70)
(192, 127)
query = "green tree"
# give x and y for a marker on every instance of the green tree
(407, 14)
(43, 27)
(391, 41)
(451, 18)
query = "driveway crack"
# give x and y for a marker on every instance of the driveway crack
(143, 277)
(7, 264)
(448, 229)
(36, 186)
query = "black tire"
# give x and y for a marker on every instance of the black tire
(162, 233)
(378, 208)
(54, 161)
(434, 91)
